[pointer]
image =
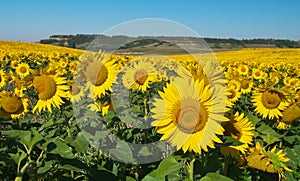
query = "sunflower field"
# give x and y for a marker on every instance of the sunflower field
(68, 114)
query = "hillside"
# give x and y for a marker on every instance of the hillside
(162, 45)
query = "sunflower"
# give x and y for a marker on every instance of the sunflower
(2, 79)
(76, 92)
(289, 115)
(232, 95)
(246, 86)
(243, 69)
(50, 89)
(23, 70)
(139, 75)
(12, 105)
(100, 74)
(257, 74)
(188, 115)
(269, 103)
(268, 161)
(240, 129)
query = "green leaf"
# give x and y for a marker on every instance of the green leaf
(253, 119)
(291, 139)
(268, 134)
(45, 168)
(22, 136)
(35, 139)
(70, 167)
(229, 141)
(47, 124)
(144, 152)
(130, 178)
(62, 149)
(122, 152)
(166, 166)
(80, 143)
(18, 157)
(215, 177)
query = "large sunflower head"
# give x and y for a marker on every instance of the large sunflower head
(50, 90)
(289, 115)
(268, 103)
(268, 161)
(12, 105)
(239, 128)
(185, 115)
(139, 75)
(100, 71)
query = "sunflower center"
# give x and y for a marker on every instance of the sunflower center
(141, 76)
(23, 70)
(257, 73)
(11, 104)
(232, 129)
(232, 94)
(245, 84)
(45, 86)
(270, 100)
(190, 116)
(243, 69)
(97, 73)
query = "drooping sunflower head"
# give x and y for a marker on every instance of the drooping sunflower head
(269, 103)
(239, 128)
(185, 115)
(289, 115)
(12, 106)
(268, 161)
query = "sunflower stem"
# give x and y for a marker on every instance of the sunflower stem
(227, 158)
(145, 107)
(191, 166)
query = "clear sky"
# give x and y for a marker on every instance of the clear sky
(32, 20)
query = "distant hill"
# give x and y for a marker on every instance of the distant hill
(161, 44)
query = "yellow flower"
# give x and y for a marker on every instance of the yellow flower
(139, 76)
(12, 105)
(188, 116)
(2, 79)
(239, 128)
(268, 103)
(50, 89)
(232, 95)
(268, 161)
(246, 86)
(100, 73)
(23, 70)
(76, 92)
(243, 69)
(289, 115)
(257, 74)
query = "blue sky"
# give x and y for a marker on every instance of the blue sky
(32, 20)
